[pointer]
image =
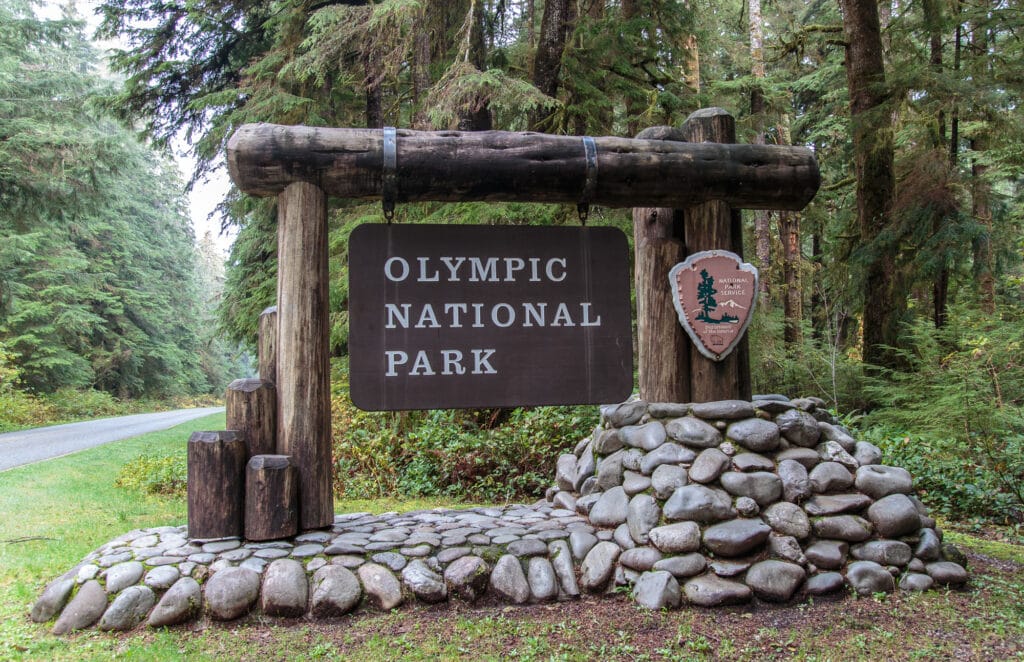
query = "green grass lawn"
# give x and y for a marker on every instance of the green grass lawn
(55, 512)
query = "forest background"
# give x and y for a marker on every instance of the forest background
(897, 295)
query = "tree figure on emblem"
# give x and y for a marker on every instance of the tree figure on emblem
(706, 298)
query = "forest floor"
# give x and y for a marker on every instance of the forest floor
(55, 514)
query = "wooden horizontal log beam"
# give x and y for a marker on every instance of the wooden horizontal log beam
(452, 166)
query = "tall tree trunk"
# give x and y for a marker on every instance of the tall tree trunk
(792, 262)
(762, 217)
(873, 162)
(477, 117)
(819, 317)
(374, 94)
(421, 76)
(547, 63)
(940, 287)
(982, 211)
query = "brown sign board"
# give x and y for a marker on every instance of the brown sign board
(715, 292)
(449, 316)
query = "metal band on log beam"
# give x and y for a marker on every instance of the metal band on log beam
(450, 166)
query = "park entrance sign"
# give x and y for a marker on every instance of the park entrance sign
(449, 316)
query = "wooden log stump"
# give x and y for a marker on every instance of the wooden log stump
(251, 406)
(216, 484)
(267, 345)
(271, 498)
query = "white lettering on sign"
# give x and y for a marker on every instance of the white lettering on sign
(458, 315)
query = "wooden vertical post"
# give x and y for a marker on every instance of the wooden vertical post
(303, 352)
(708, 226)
(267, 349)
(271, 506)
(216, 484)
(251, 406)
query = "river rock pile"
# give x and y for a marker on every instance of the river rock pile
(710, 504)
(718, 502)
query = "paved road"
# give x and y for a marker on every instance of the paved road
(28, 446)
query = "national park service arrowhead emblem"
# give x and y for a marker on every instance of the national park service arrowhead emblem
(715, 293)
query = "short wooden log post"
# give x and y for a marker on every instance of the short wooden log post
(267, 345)
(708, 226)
(271, 498)
(303, 352)
(216, 484)
(251, 406)
(662, 346)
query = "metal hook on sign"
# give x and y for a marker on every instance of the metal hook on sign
(590, 181)
(389, 181)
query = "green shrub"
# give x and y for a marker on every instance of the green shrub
(155, 474)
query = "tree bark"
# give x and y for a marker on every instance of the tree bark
(496, 165)
(873, 163)
(762, 218)
(421, 76)
(271, 498)
(476, 117)
(547, 62)
(216, 484)
(251, 406)
(374, 94)
(303, 366)
(266, 350)
(982, 212)
(789, 228)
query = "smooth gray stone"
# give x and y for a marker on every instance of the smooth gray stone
(271, 553)
(693, 432)
(607, 442)
(827, 554)
(747, 462)
(850, 528)
(867, 453)
(448, 555)
(772, 407)
(736, 537)
(311, 549)
(808, 457)
(236, 555)
(712, 591)
(824, 583)
(867, 578)
(467, 577)
(916, 581)
(423, 582)
(598, 566)
(709, 465)
(564, 500)
(163, 560)
(527, 547)
(561, 561)
(110, 559)
(626, 413)
(879, 480)
(285, 589)
(314, 536)
(687, 565)
(775, 581)
(929, 547)
(894, 516)
(762, 486)
(788, 519)
(231, 593)
(540, 575)
(676, 538)
(951, 552)
(830, 432)
(382, 588)
(222, 546)
(727, 568)
(799, 428)
(85, 573)
(657, 590)
(586, 503)
(565, 472)
(640, 558)
(634, 483)
(335, 591)
(128, 609)
(611, 508)
(622, 538)
(581, 542)
(53, 599)
(509, 581)
(670, 453)
(642, 515)
(699, 504)
(729, 410)
(585, 467)
(754, 434)
(609, 471)
(503, 540)
(883, 552)
(831, 451)
(162, 578)
(666, 478)
(631, 459)
(392, 560)
(180, 603)
(830, 477)
(771, 397)
(916, 565)
(946, 573)
(747, 507)
(338, 548)
(646, 437)
(667, 409)
(786, 548)
(836, 504)
(123, 575)
(796, 484)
